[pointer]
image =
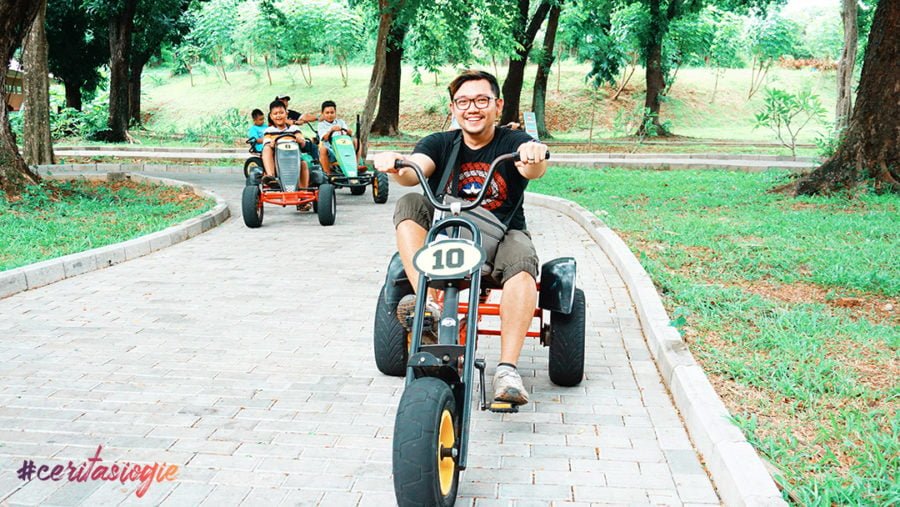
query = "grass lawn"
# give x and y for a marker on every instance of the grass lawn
(791, 305)
(57, 219)
(173, 105)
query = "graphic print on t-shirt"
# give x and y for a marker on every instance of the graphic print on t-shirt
(471, 179)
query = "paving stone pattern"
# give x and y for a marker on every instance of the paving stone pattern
(245, 357)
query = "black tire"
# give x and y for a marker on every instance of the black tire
(567, 344)
(417, 444)
(252, 207)
(250, 163)
(380, 187)
(357, 190)
(391, 347)
(327, 205)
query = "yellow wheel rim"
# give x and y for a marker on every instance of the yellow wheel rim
(446, 466)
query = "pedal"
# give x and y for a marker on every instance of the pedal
(503, 407)
(427, 322)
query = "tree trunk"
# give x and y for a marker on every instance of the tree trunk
(38, 148)
(871, 145)
(121, 24)
(134, 89)
(845, 66)
(386, 18)
(268, 72)
(543, 72)
(655, 79)
(16, 17)
(387, 123)
(73, 95)
(512, 85)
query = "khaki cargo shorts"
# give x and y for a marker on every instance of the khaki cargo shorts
(515, 254)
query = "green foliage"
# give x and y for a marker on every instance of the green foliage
(629, 121)
(772, 37)
(66, 122)
(213, 28)
(608, 39)
(828, 142)
(494, 29)
(786, 114)
(727, 44)
(227, 126)
(76, 216)
(689, 40)
(823, 37)
(77, 44)
(441, 34)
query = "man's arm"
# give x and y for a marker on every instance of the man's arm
(406, 177)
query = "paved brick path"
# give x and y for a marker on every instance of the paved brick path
(245, 357)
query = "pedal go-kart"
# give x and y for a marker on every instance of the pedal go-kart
(348, 172)
(431, 429)
(286, 192)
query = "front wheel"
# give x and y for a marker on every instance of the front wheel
(426, 445)
(327, 205)
(252, 206)
(567, 344)
(380, 186)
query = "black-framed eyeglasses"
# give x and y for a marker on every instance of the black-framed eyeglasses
(480, 102)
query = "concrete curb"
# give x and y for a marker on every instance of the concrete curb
(101, 167)
(53, 270)
(738, 472)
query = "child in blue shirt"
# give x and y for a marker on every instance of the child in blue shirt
(257, 129)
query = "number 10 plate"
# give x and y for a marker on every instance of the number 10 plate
(450, 258)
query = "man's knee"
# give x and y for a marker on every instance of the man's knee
(413, 207)
(515, 255)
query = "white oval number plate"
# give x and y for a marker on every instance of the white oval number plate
(449, 258)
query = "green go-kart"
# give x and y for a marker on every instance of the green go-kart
(349, 172)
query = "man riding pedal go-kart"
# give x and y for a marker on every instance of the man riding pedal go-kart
(437, 260)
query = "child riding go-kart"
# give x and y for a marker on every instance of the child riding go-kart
(285, 190)
(347, 171)
(431, 428)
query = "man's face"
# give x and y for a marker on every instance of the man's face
(471, 119)
(279, 116)
(329, 114)
(258, 120)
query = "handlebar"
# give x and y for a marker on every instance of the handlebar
(514, 156)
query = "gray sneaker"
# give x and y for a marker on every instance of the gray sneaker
(508, 386)
(405, 309)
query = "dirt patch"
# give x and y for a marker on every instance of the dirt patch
(179, 195)
(861, 305)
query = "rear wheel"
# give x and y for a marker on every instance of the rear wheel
(327, 206)
(425, 445)
(252, 206)
(391, 347)
(380, 184)
(357, 190)
(250, 163)
(567, 344)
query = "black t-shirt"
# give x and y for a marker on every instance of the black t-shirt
(293, 115)
(508, 185)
